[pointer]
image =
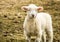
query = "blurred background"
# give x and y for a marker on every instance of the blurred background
(12, 18)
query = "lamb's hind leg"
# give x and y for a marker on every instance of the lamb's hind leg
(44, 36)
(50, 33)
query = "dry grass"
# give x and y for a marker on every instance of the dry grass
(12, 17)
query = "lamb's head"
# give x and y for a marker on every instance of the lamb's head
(32, 10)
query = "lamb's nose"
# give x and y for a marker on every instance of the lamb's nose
(32, 15)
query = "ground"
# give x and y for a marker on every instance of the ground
(12, 18)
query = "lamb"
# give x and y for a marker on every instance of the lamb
(36, 23)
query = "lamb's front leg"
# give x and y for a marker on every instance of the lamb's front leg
(39, 37)
(28, 38)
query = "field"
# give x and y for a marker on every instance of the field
(12, 18)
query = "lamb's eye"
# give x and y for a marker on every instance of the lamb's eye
(28, 9)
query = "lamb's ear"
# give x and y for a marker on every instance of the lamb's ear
(40, 8)
(25, 8)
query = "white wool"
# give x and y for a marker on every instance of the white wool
(37, 24)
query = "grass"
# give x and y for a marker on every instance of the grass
(12, 18)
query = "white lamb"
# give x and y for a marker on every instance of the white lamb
(36, 23)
